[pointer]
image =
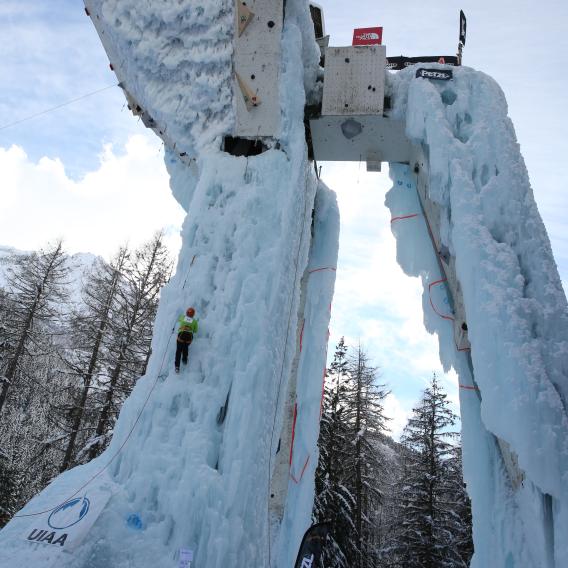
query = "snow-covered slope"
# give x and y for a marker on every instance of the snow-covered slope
(516, 313)
(78, 263)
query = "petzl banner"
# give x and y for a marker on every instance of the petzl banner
(436, 74)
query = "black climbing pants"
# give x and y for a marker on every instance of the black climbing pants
(183, 342)
(181, 352)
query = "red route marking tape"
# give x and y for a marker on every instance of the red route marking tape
(441, 281)
(296, 481)
(400, 217)
(292, 449)
(293, 432)
(324, 268)
(467, 387)
(449, 318)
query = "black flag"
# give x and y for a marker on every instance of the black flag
(309, 555)
(463, 27)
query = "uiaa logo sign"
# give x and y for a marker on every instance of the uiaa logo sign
(68, 523)
(64, 517)
(69, 514)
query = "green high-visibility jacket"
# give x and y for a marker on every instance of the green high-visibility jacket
(187, 324)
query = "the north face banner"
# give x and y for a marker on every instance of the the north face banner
(367, 36)
(401, 62)
(310, 554)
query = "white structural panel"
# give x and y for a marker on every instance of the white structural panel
(257, 63)
(364, 138)
(354, 80)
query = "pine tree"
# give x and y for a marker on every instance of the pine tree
(425, 531)
(350, 470)
(333, 502)
(459, 508)
(364, 413)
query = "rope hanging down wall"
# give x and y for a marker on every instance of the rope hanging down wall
(136, 421)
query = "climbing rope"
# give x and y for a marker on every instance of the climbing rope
(116, 454)
(51, 109)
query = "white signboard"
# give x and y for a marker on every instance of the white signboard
(185, 557)
(66, 525)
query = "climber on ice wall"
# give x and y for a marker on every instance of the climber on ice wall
(187, 327)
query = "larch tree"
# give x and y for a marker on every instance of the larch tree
(34, 324)
(129, 341)
(91, 324)
(37, 289)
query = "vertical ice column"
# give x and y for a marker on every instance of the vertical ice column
(191, 453)
(299, 456)
(196, 468)
(515, 384)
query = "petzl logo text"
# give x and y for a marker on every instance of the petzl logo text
(308, 561)
(437, 74)
(69, 514)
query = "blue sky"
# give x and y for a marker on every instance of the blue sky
(91, 173)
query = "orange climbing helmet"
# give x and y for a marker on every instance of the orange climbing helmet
(190, 312)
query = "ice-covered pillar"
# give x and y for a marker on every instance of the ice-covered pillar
(192, 456)
(490, 239)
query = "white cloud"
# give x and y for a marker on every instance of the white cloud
(125, 200)
(375, 303)
(397, 414)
